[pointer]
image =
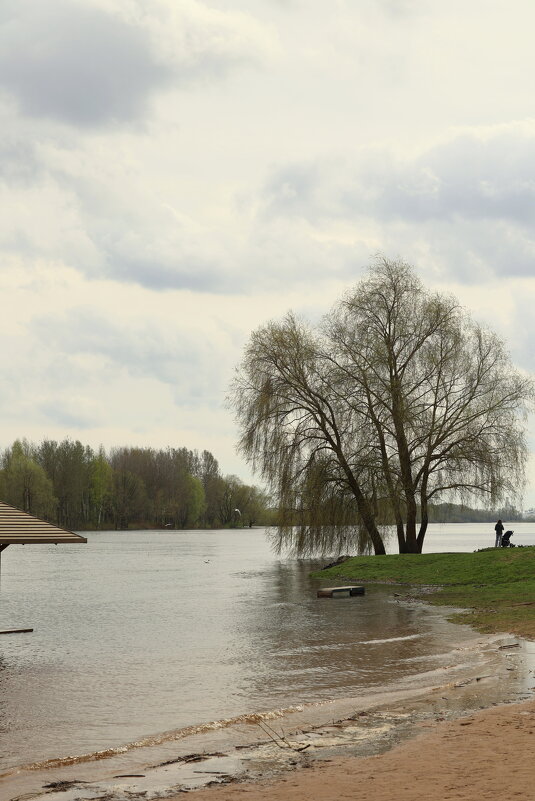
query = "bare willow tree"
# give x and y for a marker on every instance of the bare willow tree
(396, 400)
(442, 396)
(314, 453)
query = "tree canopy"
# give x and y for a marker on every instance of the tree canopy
(396, 399)
(72, 485)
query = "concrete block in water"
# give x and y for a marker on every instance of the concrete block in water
(340, 592)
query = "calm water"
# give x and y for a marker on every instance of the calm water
(143, 632)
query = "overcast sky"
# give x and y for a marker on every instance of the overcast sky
(174, 172)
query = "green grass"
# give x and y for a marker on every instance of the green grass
(495, 586)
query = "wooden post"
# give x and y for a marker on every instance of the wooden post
(1, 549)
(16, 631)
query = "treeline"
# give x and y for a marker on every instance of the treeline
(456, 513)
(76, 487)
(437, 513)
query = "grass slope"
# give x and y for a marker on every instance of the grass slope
(496, 586)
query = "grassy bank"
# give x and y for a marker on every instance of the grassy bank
(496, 587)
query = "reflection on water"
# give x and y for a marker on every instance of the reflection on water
(305, 647)
(145, 632)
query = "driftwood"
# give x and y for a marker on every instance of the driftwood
(280, 739)
(130, 776)
(64, 784)
(190, 758)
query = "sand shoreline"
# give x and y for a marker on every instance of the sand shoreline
(486, 755)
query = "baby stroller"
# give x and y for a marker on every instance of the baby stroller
(506, 540)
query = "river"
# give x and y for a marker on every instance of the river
(141, 633)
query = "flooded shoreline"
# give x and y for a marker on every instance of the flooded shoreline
(481, 672)
(160, 631)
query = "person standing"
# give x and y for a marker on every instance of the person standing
(498, 528)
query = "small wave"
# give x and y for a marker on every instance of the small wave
(156, 739)
(391, 639)
(447, 658)
(312, 649)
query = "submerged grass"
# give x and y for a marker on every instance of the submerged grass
(495, 586)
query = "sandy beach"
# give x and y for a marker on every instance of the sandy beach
(488, 755)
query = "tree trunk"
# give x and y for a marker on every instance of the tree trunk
(424, 522)
(368, 520)
(410, 529)
(363, 507)
(421, 534)
(400, 529)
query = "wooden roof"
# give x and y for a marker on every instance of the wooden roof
(17, 526)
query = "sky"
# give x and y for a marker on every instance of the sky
(174, 173)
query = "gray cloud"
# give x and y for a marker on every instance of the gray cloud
(465, 207)
(471, 200)
(18, 161)
(400, 8)
(155, 251)
(390, 8)
(61, 413)
(467, 178)
(179, 359)
(189, 273)
(76, 63)
(114, 228)
(297, 190)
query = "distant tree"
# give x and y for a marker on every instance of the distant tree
(396, 399)
(129, 498)
(193, 502)
(147, 465)
(24, 483)
(213, 486)
(254, 506)
(188, 490)
(100, 488)
(67, 464)
(229, 499)
(241, 504)
(460, 513)
(173, 495)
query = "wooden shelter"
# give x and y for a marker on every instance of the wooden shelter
(18, 527)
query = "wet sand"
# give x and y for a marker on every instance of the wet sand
(488, 755)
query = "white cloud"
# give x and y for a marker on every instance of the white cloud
(201, 41)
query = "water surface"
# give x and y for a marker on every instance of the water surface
(141, 633)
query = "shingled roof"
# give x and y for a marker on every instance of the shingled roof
(20, 527)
